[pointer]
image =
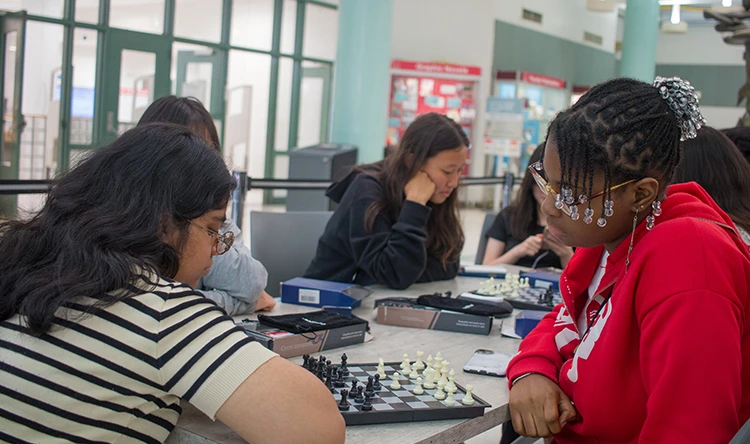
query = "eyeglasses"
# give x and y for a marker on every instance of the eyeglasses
(566, 202)
(222, 242)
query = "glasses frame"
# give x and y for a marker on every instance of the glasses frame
(548, 189)
(222, 242)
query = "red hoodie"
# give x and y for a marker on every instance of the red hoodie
(667, 359)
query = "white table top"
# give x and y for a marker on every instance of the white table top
(390, 343)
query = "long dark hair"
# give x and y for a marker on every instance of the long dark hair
(622, 127)
(427, 136)
(106, 218)
(741, 137)
(524, 213)
(187, 111)
(712, 160)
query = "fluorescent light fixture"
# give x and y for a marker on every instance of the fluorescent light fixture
(726, 3)
(675, 14)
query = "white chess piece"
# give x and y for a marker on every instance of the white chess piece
(406, 364)
(419, 365)
(428, 374)
(418, 390)
(443, 375)
(395, 384)
(450, 387)
(429, 364)
(524, 283)
(381, 368)
(468, 399)
(414, 374)
(438, 360)
(449, 400)
(440, 394)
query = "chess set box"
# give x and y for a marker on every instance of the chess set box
(289, 345)
(406, 313)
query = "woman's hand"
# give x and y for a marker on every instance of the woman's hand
(529, 247)
(538, 407)
(266, 302)
(420, 188)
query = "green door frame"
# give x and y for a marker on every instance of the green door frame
(10, 142)
(117, 40)
(323, 72)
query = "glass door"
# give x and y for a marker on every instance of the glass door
(12, 38)
(136, 73)
(315, 108)
(198, 75)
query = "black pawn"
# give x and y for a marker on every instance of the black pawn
(353, 391)
(358, 398)
(344, 404)
(367, 405)
(339, 381)
(343, 364)
(376, 385)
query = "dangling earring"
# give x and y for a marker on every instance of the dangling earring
(632, 237)
(651, 218)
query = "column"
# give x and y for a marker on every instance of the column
(640, 38)
(361, 79)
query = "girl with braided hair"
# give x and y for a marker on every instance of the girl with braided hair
(622, 359)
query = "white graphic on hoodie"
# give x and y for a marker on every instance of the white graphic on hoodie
(587, 345)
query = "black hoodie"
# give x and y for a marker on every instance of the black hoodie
(393, 254)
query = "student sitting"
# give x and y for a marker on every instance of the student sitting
(712, 160)
(236, 281)
(623, 358)
(101, 332)
(518, 235)
(740, 136)
(397, 222)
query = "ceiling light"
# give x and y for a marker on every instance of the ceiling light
(726, 3)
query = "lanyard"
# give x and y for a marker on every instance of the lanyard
(596, 316)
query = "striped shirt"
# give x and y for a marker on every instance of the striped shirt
(119, 373)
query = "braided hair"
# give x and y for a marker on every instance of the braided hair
(627, 129)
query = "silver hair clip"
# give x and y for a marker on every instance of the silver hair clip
(683, 101)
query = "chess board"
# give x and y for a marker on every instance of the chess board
(527, 299)
(389, 405)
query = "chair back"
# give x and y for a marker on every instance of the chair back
(285, 243)
(489, 219)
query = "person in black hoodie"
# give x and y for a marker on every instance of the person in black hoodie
(397, 222)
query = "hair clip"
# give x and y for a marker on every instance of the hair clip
(683, 101)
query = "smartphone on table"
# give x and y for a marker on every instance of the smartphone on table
(488, 362)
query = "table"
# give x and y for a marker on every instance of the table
(390, 343)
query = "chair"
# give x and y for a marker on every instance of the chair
(743, 436)
(489, 219)
(285, 243)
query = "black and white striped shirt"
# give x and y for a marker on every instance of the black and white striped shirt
(119, 374)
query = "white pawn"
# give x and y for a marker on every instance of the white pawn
(418, 390)
(419, 365)
(395, 384)
(515, 293)
(440, 394)
(414, 374)
(381, 368)
(406, 365)
(449, 400)
(468, 399)
(450, 387)
(429, 373)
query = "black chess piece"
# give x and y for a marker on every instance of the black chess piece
(376, 385)
(329, 382)
(367, 405)
(306, 359)
(328, 362)
(344, 404)
(343, 364)
(358, 398)
(339, 381)
(369, 389)
(549, 296)
(353, 391)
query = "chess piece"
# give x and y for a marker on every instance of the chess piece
(438, 360)
(428, 374)
(515, 293)
(414, 374)
(450, 387)
(429, 364)
(339, 381)
(443, 375)
(418, 390)
(419, 365)
(306, 363)
(353, 391)
(381, 368)
(406, 365)
(370, 388)
(468, 399)
(440, 394)
(367, 405)
(344, 404)
(449, 399)
(329, 382)
(343, 364)
(376, 382)
(395, 385)
(359, 398)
